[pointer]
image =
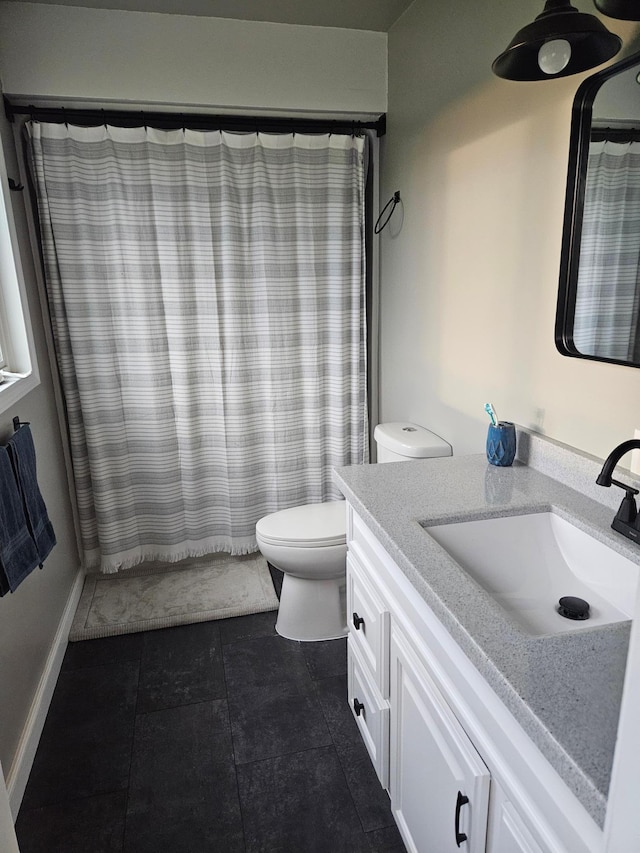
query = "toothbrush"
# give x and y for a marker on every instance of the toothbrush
(492, 413)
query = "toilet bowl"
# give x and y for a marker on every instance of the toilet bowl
(308, 544)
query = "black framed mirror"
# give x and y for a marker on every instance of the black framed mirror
(598, 312)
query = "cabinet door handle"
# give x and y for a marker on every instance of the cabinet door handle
(358, 707)
(357, 621)
(461, 801)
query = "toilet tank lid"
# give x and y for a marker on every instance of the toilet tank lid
(411, 440)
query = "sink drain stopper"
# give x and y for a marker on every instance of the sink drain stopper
(573, 608)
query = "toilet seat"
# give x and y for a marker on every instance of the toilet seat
(310, 526)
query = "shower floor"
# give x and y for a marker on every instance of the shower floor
(219, 736)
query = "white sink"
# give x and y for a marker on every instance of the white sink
(528, 562)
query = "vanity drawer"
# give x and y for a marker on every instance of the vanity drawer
(368, 620)
(370, 712)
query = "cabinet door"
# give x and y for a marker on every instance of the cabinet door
(439, 785)
(507, 832)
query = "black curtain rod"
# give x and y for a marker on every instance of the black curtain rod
(193, 121)
(615, 134)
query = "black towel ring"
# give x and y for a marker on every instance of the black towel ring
(394, 200)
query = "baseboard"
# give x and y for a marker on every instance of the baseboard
(18, 775)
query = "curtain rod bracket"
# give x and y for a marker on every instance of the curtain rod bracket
(8, 109)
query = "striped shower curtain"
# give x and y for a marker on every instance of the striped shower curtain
(607, 312)
(207, 298)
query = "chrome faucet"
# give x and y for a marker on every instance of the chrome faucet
(627, 520)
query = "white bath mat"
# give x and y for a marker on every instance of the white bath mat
(164, 595)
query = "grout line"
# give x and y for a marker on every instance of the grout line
(288, 754)
(244, 639)
(233, 747)
(340, 762)
(74, 669)
(133, 741)
(183, 705)
(55, 804)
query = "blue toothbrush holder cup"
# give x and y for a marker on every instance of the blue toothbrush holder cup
(501, 444)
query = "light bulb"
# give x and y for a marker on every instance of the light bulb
(554, 56)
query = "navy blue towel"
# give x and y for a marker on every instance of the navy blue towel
(18, 553)
(23, 458)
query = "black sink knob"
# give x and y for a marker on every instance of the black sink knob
(572, 607)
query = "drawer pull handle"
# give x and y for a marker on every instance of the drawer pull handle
(461, 801)
(357, 621)
(358, 707)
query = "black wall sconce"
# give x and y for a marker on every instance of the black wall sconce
(563, 41)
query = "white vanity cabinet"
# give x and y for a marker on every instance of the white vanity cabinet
(460, 771)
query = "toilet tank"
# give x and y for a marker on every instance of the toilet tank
(402, 442)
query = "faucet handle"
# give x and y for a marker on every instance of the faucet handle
(628, 511)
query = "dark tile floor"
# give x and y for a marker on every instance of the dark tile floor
(220, 736)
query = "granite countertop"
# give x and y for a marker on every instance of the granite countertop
(564, 690)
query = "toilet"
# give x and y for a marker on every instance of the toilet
(308, 544)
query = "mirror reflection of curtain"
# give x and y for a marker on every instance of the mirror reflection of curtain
(207, 295)
(607, 309)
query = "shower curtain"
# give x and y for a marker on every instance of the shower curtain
(607, 312)
(207, 299)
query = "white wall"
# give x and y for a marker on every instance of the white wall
(30, 616)
(104, 54)
(470, 274)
